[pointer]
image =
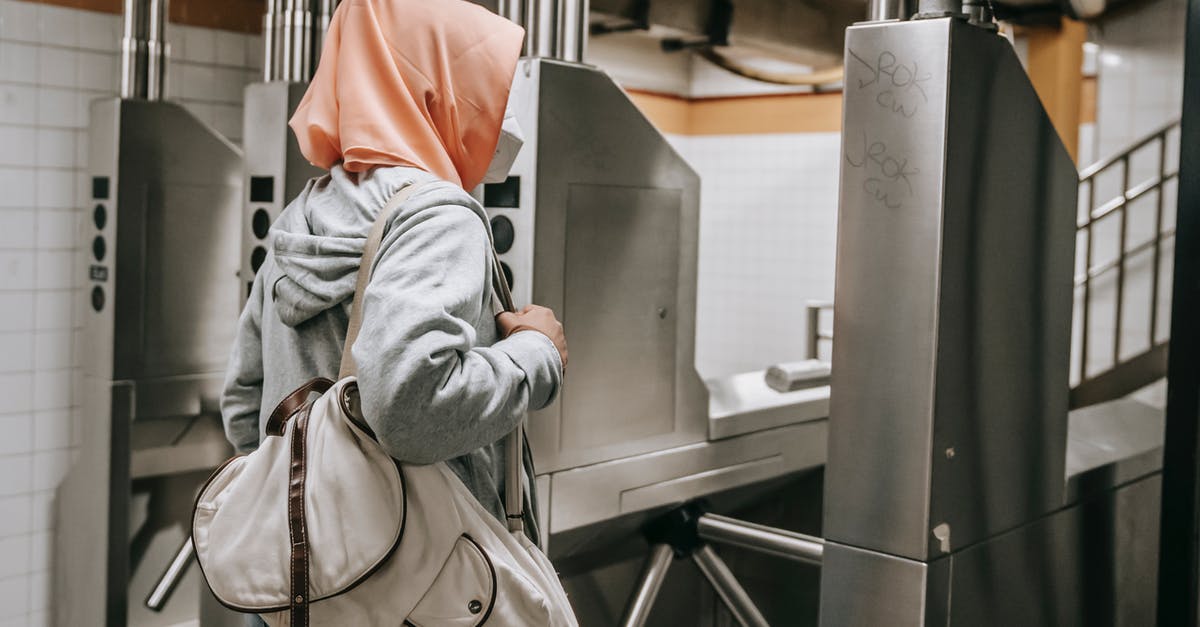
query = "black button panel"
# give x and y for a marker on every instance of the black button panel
(98, 248)
(257, 258)
(99, 216)
(97, 298)
(508, 275)
(503, 234)
(260, 223)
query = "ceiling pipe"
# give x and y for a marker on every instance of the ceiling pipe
(143, 49)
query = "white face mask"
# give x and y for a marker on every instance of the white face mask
(511, 140)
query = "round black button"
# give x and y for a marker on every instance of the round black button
(475, 607)
(507, 273)
(100, 216)
(97, 298)
(257, 257)
(503, 233)
(261, 223)
(98, 248)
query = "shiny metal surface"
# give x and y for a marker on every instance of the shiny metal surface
(880, 10)
(172, 576)
(646, 591)
(1112, 444)
(273, 163)
(602, 196)
(744, 403)
(164, 293)
(732, 594)
(862, 588)
(143, 49)
(770, 540)
(600, 492)
(948, 415)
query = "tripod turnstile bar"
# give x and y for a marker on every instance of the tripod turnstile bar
(778, 542)
(728, 588)
(655, 572)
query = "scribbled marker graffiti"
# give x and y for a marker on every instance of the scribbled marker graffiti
(900, 85)
(888, 178)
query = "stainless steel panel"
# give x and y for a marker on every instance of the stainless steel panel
(1111, 444)
(620, 242)
(606, 234)
(862, 588)
(605, 491)
(271, 153)
(889, 232)
(1092, 565)
(956, 234)
(176, 288)
(744, 403)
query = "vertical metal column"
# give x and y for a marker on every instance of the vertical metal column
(1178, 580)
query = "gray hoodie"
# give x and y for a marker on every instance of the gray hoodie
(435, 383)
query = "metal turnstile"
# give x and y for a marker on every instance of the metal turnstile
(162, 242)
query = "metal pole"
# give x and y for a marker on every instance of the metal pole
(778, 542)
(814, 333)
(881, 10)
(728, 588)
(172, 576)
(155, 66)
(131, 43)
(1178, 583)
(653, 575)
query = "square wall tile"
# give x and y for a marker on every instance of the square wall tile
(199, 44)
(16, 353)
(57, 229)
(55, 189)
(18, 62)
(14, 556)
(52, 349)
(20, 21)
(49, 468)
(56, 107)
(52, 389)
(16, 270)
(15, 475)
(58, 67)
(18, 104)
(16, 311)
(99, 31)
(54, 309)
(55, 148)
(55, 269)
(16, 515)
(52, 430)
(18, 185)
(60, 26)
(18, 434)
(17, 229)
(231, 48)
(14, 591)
(99, 71)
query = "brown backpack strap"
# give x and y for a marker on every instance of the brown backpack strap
(293, 403)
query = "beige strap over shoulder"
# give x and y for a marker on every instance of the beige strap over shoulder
(502, 301)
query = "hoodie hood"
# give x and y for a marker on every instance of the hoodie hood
(420, 83)
(319, 238)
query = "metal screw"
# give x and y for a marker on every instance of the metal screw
(299, 598)
(950, 453)
(662, 313)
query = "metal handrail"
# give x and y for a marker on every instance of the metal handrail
(1091, 272)
(1120, 205)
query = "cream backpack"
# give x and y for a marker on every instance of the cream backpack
(320, 526)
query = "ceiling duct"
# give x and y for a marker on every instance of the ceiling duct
(143, 49)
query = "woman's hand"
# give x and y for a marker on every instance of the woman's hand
(535, 318)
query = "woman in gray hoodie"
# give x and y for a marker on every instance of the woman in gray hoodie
(407, 92)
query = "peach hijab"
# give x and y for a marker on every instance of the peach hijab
(420, 83)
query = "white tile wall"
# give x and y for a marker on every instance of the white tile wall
(53, 63)
(768, 227)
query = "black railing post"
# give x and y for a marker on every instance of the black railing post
(1178, 584)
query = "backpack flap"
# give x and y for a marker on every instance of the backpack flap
(350, 485)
